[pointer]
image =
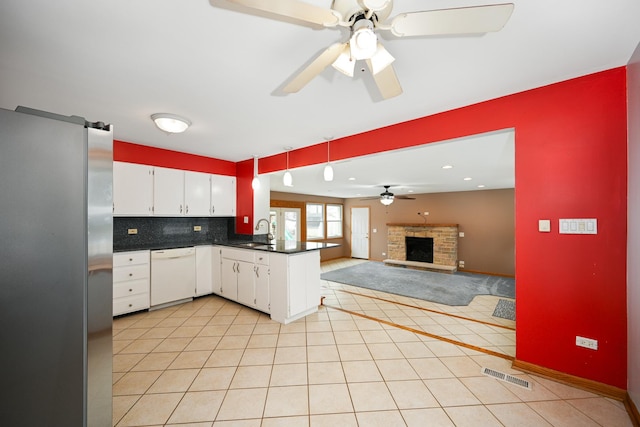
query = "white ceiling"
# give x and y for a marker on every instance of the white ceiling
(487, 159)
(121, 61)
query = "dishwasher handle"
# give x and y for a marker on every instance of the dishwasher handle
(173, 253)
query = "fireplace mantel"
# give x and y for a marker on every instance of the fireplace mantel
(418, 224)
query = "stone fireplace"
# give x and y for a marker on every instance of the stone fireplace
(445, 245)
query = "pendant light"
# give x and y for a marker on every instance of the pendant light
(255, 183)
(328, 169)
(287, 179)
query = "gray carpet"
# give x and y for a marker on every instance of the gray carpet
(450, 289)
(505, 309)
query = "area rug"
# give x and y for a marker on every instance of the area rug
(505, 309)
(455, 289)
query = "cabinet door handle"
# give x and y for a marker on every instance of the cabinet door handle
(186, 209)
(257, 270)
(130, 290)
(238, 268)
(234, 267)
(213, 209)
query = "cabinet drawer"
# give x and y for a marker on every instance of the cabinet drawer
(130, 304)
(131, 287)
(134, 272)
(262, 258)
(130, 258)
(238, 254)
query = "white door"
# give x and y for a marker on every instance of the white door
(285, 223)
(360, 233)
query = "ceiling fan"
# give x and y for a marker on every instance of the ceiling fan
(364, 18)
(387, 197)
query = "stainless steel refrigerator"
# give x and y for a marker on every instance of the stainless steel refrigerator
(56, 245)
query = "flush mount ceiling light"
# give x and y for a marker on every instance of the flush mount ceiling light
(287, 179)
(255, 183)
(328, 169)
(170, 123)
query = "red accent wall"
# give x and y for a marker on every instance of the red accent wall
(142, 154)
(244, 204)
(571, 162)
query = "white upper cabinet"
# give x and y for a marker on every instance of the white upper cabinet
(168, 192)
(132, 189)
(223, 195)
(197, 193)
(140, 190)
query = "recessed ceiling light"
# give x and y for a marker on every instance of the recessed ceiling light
(468, 178)
(481, 186)
(447, 167)
(352, 179)
(410, 191)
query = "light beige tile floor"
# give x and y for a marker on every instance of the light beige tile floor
(212, 362)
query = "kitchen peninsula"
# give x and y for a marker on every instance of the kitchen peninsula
(281, 279)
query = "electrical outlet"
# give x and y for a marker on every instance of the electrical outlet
(197, 228)
(132, 231)
(384, 254)
(461, 264)
(586, 343)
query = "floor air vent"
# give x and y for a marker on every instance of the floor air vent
(506, 378)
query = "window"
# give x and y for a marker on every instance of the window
(334, 221)
(321, 217)
(315, 221)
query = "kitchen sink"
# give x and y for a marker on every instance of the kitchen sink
(257, 245)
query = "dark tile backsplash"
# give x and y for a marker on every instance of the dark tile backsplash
(161, 232)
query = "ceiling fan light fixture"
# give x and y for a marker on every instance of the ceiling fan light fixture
(363, 42)
(380, 60)
(386, 199)
(170, 123)
(345, 64)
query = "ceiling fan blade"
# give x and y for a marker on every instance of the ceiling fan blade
(295, 9)
(386, 80)
(323, 60)
(405, 198)
(464, 20)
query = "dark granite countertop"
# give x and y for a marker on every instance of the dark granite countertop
(280, 246)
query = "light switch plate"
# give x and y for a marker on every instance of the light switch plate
(544, 225)
(578, 226)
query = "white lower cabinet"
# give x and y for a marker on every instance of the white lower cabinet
(262, 297)
(244, 277)
(131, 273)
(294, 285)
(286, 286)
(204, 270)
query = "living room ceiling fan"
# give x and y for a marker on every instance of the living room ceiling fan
(387, 197)
(364, 18)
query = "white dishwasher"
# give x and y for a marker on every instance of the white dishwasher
(173, 276)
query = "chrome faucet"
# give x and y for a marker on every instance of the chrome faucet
(269, 235)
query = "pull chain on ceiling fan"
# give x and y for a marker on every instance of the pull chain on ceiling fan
(364, 18)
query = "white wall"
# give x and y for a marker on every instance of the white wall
(633, 243)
